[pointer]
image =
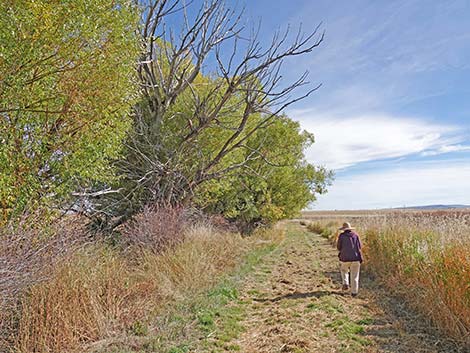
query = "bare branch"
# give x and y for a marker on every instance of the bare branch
(246, 92)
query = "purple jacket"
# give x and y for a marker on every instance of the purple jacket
(349, 246)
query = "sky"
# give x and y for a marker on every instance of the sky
(391, 117)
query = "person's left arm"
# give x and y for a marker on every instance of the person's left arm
(338, 243)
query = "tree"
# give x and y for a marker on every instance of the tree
(275, 184)
(191, 126)
(67, 82)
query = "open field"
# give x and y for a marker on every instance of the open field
(384, 212)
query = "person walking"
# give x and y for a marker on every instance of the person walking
(350, 257)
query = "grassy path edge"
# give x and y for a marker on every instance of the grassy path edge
(205, 320)
(213, 318)
(284, 296)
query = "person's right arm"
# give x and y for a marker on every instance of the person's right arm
(359, 248)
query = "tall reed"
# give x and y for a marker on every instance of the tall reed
(421, 256)
(425, 258)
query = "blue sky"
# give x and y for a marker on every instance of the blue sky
(391, 117)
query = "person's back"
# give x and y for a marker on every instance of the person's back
(350, 257)
(349, 246)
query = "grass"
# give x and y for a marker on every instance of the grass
(431, 275)
(209, 319)
(105, 301)
(349, 333)
(227, 311)
(327, 229)
(327, 304)
(421, 257)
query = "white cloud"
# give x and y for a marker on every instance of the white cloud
(419, 184)
(446, 149)
(389, 57)
(341, 142)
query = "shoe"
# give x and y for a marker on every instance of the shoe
(345, 287)
(353, 295)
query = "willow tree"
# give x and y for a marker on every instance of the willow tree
(67, 75)
(208, 86)
(274, 183)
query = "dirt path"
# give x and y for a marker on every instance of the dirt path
(294, 303)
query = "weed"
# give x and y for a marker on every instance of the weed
(206, 320)
(326, 230)
(331, 305)
(365, 321)
(101, 292)
(139, 328)
(313, 306)
(349, 331)
(315, 227)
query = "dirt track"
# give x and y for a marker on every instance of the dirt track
(295, 303)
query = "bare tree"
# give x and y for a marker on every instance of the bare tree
(246, 82)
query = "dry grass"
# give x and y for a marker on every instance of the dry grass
(272, 235)
(423, 257)
(315, 227)
(326, 228)
(28, 254)
(102, 294)
(155, 229)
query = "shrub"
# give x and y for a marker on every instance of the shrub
(315, 227)
(27, 255)
(327, 233)
(102, 294)
(155, 229)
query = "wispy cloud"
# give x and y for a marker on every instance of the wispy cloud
(387, 54)
(417, 184)
(341, 142)
(394, 92)
(446, 149)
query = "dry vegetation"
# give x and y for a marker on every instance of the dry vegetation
(421, 256)
(62, 293)
(101, 293)
(28, 254)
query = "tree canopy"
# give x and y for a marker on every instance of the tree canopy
(275, 184)
(67, 82)
(212, 134)
(116, 106)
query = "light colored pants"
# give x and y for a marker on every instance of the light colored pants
(352, 268)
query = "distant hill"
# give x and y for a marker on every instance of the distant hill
(433, 207)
